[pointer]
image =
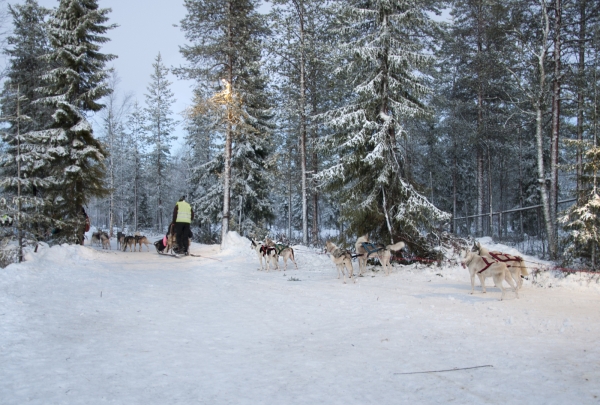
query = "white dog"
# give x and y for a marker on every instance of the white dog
(383, 253)
(484, 267)
(341, 258)
(269, 253)
(515, 264)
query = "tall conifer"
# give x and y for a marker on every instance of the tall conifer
(380, 55)
(75, 84)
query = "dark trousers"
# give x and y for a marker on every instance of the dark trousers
(182, 233)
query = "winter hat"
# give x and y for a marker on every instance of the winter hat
(182, 198)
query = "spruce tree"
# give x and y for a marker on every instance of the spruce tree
(25, 161)
(160, 126)
(380, 55)
(225, 47)
(76, 83)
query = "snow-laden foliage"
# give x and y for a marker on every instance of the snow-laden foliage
(225, 44)
(381, 54)
(582, 220)
(73, 87)
(160, 126)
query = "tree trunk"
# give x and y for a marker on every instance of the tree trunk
(554, 144)
(539, 135)
(580, 90)
(303, 124)
(228, 142)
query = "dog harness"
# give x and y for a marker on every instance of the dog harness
(266, 250)
(487, 264)
(280, 248)
(503, 257)
(371, 248)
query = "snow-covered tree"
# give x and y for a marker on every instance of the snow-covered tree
(582, 220)
(115, 144)
(25, 161)
(225, 38)
(75, 84)
(136, 126)
(298, 54)
(160, 126)
(381, 55)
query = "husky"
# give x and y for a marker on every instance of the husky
(516, 264)
(129, 241)
(341, 258)
(139, 240)
(105, 239)
(282, 251)
(484, 267)
(384, 254)
(120, 239)
(96, 238)
(269, 253)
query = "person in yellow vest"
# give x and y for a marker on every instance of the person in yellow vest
(183, 214)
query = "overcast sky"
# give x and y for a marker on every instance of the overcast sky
(145, 29)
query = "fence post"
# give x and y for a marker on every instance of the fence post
(500, 225)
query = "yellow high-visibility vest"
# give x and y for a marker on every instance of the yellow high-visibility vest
(184, 212)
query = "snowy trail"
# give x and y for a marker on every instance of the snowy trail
(80, 326)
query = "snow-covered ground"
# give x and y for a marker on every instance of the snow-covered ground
(79, 325)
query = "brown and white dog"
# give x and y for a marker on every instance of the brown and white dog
(341, 258)
(139, 240)
(128, 241)
(484, 267)
(269, 253)
(286, 252)
(384, 254)
(105, 239)
(120, 239)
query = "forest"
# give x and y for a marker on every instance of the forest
(413, 120)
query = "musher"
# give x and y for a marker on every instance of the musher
(183, 214)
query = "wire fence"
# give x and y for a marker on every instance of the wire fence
(522, 228)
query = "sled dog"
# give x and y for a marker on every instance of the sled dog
(269, 253)
(120, 238)
(384, 254)
(483, 268)
(139, 240)
(516, 264)
(96, 238)
(105, 239)
(286, 252)
(341, 258)
(129, 241)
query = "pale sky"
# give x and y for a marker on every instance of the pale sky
(145, 29)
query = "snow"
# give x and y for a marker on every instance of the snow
(79, 325)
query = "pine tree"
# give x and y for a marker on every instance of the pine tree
(582, 220)
(382, 53)
(136, 125)
(76, 83)
(160, 126)
(113, 137)
(299, 55)
(226, 45)
(25, 161)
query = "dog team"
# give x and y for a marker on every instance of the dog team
(101, 238)
(479, 261)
